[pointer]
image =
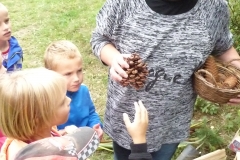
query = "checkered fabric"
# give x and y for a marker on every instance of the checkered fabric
(78, 145)
(90, 148)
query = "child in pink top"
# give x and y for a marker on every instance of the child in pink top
(32, 101)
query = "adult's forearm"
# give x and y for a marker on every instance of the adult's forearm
(230, 55)
(103, 48)
(107, 54)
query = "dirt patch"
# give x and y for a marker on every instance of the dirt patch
(24, 32)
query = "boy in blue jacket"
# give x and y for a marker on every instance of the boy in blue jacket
(11, 52)
(65, 58)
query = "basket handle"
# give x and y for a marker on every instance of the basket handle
(208, 73)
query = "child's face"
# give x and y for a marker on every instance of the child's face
(71, 69)
(5, 26)
(62, 110)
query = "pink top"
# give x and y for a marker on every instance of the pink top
(2, 139)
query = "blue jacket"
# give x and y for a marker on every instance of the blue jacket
(15, 56)
(82, 110)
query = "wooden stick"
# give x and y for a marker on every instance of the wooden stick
(216, 155)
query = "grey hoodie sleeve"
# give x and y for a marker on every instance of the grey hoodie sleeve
(224, 38)
(111, 14)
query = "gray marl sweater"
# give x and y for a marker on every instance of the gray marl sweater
(174, 47)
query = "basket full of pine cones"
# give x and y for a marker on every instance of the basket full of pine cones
(217, 82)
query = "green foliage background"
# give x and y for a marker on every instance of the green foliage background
(234, 6)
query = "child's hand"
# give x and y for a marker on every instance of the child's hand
(2, 69)
(62, 132)
(138, 128)
(99, 130)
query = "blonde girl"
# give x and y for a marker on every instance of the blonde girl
(32, 101)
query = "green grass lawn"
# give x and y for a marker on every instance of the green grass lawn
(36, 23)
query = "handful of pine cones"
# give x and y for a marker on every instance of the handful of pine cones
(137, 72)
(222, 81)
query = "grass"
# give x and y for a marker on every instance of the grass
(36, 23)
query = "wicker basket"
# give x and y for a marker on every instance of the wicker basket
(210, 91)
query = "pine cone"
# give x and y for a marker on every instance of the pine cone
(230, 82)
(211, 67)
(137, 72)
(221, 77)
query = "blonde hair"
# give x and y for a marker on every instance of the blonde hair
(3, 6)
(29, 99)
(58, 51)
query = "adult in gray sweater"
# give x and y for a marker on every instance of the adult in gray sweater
(174, 37)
